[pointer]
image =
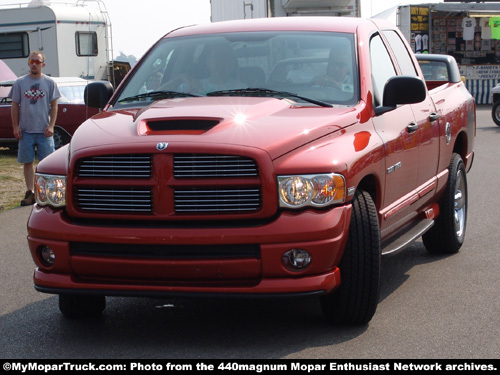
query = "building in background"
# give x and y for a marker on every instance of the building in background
(468, 31)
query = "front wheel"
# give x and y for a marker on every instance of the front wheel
(356, 299)
(61, 137)
(495, 112)
(448, 233)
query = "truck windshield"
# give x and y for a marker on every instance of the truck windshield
(307, 68)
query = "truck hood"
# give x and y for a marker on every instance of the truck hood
(274, 125)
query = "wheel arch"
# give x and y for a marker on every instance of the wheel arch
(460, 146)
(62, 130)
(371, 185)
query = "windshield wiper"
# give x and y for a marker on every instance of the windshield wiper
(157, 95)
(267, 92)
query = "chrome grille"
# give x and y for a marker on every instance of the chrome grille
(217, 200)
(116, 166)
(206, 166)
(130, 184)
(114, 200)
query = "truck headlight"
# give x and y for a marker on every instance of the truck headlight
(311, 190)
(50, 190)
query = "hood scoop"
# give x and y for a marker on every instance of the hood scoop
(176, 126)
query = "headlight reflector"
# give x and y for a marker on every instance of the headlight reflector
(295, 190)
(50, 190)
(311, 190)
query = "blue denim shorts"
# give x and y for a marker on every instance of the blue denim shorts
(26, 147)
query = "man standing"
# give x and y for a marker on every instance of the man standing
(34, 112)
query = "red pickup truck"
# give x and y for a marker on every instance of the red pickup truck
(272, 157)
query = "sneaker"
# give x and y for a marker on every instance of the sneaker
(29, 199)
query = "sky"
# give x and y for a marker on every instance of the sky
(134, 37)
(136, 25)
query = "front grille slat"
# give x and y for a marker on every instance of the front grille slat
(211, 166)
(116, 166)
(131, 200)
(217, 200)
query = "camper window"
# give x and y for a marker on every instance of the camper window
(86, 43)
(14, 45)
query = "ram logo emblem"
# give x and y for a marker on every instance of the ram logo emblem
(160, 146)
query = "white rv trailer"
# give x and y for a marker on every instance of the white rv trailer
(223, 10)
(74, 37)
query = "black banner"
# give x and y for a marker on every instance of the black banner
(230, 366)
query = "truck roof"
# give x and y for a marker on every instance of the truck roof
(337, 24)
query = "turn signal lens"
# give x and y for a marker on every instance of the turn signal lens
(311, 190)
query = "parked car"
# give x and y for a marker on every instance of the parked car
(6, 74)
(277, 157)
(495, 109)
(72, 111)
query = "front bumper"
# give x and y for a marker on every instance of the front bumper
(162, 273)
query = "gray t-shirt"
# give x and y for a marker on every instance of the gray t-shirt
(34, 96)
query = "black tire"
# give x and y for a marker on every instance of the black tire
(81, 306)
(495, 112)
(356, 299)
(448, 233)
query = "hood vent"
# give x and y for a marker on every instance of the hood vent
(177, 126)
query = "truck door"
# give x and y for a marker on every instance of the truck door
(428, 140)
(425, 125)
(395, 129)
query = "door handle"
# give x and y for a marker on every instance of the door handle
(412, 127)
(433, 116)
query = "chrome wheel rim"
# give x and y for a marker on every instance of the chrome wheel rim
(460, 205)
(58, 141)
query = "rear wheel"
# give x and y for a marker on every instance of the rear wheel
(495, 112)
(81, 306)
(448, 233)
(356, 299)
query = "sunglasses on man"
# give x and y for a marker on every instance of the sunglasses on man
(36, 62)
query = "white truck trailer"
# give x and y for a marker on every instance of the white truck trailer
(75, 37)
(223, 10)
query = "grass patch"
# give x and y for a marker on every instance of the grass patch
(12, 187)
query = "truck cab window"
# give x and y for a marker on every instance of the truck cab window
(401, 53)
(382, 68)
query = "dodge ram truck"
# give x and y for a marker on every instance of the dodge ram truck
(257, 158)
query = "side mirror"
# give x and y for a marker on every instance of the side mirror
(97, 94)
(404, 90)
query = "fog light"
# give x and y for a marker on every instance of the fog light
(296, 260)
(48, 256)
